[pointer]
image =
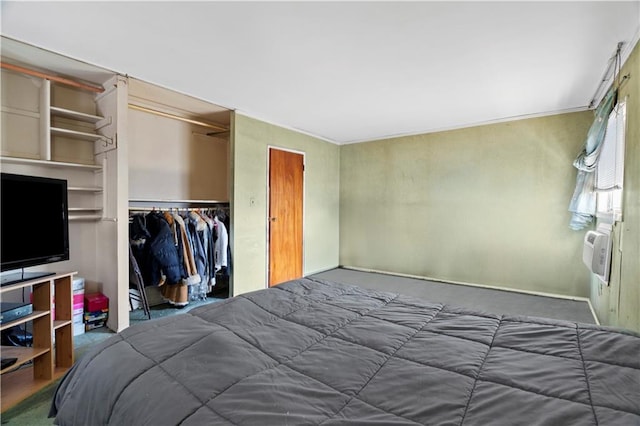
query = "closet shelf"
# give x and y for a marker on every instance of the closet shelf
(48, 163)
(84, 209)
(85, 217)
(74, 115)
(84, 189)
(74, 134)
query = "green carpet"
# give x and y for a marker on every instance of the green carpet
(34, 410)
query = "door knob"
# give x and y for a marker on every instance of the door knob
(272, 219)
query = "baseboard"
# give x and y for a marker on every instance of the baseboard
(491, 287)
(318, 271)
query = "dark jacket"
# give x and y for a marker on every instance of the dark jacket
(158, 255)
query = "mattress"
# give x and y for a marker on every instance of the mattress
(317, 352)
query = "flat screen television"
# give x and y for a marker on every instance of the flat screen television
(34, 224)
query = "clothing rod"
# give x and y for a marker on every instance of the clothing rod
(218, 127)
(159, 201)
(151, 209)
(131, 208)
(50, 77)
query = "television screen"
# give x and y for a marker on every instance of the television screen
(34, 216)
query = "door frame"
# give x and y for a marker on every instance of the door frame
(267, 206)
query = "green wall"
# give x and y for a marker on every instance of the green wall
(250, 142)
(619, 303)
(485, 205)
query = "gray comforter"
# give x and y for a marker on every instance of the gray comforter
(315, 352)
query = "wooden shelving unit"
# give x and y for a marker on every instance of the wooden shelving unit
(43, 362)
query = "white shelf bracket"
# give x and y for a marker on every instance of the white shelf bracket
(103, 123)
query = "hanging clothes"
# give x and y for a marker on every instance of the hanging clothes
(210, 236)
(196, 227)
(164, 254)
(158, 256)
(192, 276)
(179, 252)
(221, 245)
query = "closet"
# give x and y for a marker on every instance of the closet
(178, 156)
(121, 143)
(182, 252)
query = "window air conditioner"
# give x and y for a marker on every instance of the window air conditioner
(596, 253)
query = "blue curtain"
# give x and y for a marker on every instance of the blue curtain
(583, 202)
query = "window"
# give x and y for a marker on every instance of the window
(610, 168)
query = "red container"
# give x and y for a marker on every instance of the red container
(95, 302)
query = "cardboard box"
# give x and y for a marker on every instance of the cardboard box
(78, 325)
(95, 302)
(77, 284)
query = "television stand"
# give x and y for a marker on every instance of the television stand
(18, 277)
(50, 355)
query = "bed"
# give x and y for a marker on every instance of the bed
(316, 352)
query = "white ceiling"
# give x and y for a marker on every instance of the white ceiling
(348, 71)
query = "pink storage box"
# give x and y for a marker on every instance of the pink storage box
(78, 303)
(95, 302)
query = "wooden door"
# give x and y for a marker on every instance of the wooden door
(286, 177)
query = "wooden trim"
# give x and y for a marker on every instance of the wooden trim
(286, 215)
(50, 77)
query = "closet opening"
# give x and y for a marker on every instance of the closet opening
(178, 195)
(180, 258)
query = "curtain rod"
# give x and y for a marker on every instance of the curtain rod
(50, 77)
(218, 127)
(613, 61)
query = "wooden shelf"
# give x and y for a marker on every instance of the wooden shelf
(27, 283)
(75, 115)
(23, 355)
(48, 362)
(20, 384)
(61, 323)
(48, 163)
(30, 317)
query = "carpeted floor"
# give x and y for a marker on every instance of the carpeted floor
(34, 410)
(483, 299)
